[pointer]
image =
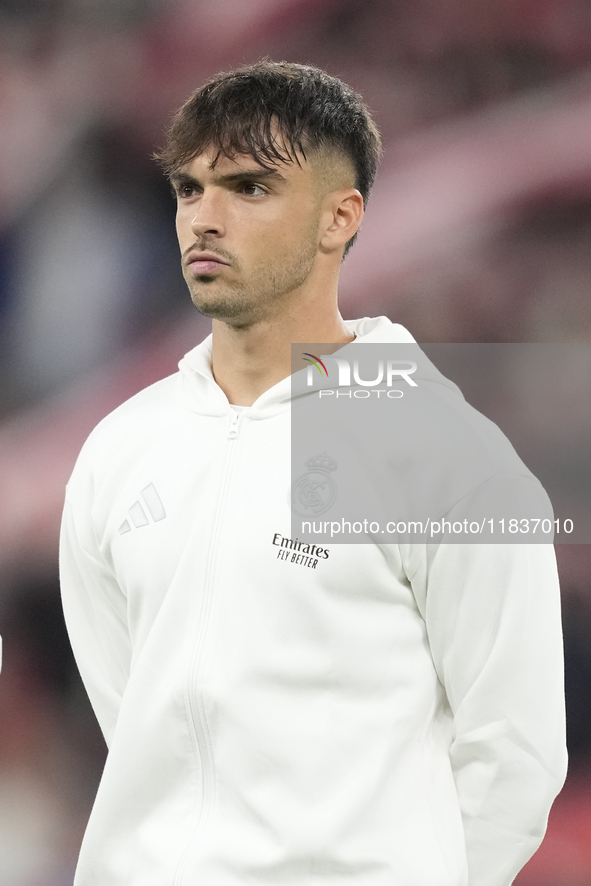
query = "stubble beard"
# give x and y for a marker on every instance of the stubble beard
(248, 301)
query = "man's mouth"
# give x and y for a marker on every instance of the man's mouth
(204, 262)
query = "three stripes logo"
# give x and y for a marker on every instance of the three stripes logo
(148, 505)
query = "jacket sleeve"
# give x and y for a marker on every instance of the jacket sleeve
(95, 614)
(492, 614)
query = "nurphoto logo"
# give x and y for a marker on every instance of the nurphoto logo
(395, 369)
(317, 362)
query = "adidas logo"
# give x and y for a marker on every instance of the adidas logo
(137, 512)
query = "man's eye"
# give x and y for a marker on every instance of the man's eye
(185, 190)
(252, 190)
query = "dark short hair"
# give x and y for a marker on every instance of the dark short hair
(238, 113)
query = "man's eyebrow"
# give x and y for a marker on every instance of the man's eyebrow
(177, 177)
(257, 173)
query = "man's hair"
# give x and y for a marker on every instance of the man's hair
(276, 112)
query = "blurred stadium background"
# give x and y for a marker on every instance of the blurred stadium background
(479, 230)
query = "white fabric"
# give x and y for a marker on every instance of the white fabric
(390, 715)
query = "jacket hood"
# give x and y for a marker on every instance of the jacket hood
(202, 394)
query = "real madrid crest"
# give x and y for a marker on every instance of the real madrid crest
(314, 492)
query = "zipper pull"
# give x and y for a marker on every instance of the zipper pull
(233, 432)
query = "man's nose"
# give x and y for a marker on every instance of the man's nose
(208, 217)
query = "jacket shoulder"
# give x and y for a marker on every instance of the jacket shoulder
(126, 430)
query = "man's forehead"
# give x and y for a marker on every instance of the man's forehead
(321, 168)
(215, 160)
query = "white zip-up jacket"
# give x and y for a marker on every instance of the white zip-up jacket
(391, 716)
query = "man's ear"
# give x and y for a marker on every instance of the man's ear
(340, 219)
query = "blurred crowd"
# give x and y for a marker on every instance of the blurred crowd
(479, 230)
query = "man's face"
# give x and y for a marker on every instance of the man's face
(248, 235)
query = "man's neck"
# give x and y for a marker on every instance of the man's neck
(247, 361)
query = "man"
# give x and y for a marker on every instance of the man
(393, 715)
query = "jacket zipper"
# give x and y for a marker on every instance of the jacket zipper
(197, 712)
(233, 431)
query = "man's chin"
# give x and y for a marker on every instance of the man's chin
(228, 311)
